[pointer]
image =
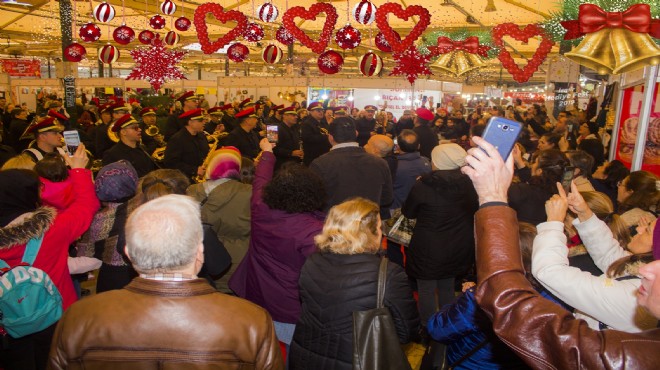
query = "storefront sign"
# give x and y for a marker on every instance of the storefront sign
(21, 67)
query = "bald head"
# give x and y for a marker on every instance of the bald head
(379, 145)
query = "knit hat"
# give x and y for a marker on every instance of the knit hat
(225, 163)
(116, 182)
(448, 156)
(656, 241)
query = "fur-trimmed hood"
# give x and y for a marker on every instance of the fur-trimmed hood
(34, 225)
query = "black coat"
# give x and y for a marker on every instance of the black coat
(246, 142)
(140, 160)
(529, 202)
(186, 152)
(428, 139)
(364, 128)
(288, 140)
(314, 135)
(332, 286)
(442, 244)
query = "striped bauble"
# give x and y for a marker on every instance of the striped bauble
(370, 64)
(104, 12)
(108, 54)
(168, 7)
(267, 12)
(364, 12)
(172, 38)
(271, 54)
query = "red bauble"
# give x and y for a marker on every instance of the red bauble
(123, 35)
(223, 16)
(370, 64)
(348, 37)
(253, 32)
(157, 22)
(108, 54)
(330, 62)
(238, 52)
(382, 44)
(104, 12)
(168, 7)
(271, 54)
(284, 36)
(288, 21)
(90, 32)
(398, 45)
(364, 12)
(146, 37)
(74, 52)
(182, 24)
(267, 12)
(172, 38)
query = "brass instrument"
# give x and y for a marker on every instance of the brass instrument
(200, 178)
(112, 135)
(158, 154)
(152, 130)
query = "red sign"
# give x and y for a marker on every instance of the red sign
(21, 67)
(630, 115)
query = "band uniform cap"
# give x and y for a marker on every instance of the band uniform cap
(245, 113)
(340, 110)
(370, 108)
(226, 107)
(425, 114)
(57, 115)
(289, 110)
(245, 103)
(216, 111)
(119, 107)
(197, 114)
(105, 108)
(315, 105)
(147, 111)
(188, 95)
(46, 124)
(123, 122)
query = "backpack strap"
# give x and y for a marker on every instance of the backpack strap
(32, 249)
(35, 153)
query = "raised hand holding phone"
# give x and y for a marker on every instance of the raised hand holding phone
(502, 134)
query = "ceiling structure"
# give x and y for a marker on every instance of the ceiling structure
(33, 30)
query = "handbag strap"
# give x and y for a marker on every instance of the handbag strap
(382, 278)
(469, 354)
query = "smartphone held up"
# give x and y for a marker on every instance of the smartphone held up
(271, 134)
(502, 134)
(71, 140)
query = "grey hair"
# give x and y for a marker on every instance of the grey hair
(163, 235)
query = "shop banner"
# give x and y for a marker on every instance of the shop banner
(397, 100)
(630, 110)
(21, 67)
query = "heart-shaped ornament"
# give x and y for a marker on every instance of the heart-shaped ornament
(400, 45)
(223, 16)
(310, 15)
(522, 35)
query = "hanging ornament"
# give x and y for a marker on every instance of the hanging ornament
(108, 54)
(172, 38)
(104, 12)
(168, 7)
(382, 21)
(146, 37)
(382, 44)
(459, 62)
(284, 36)
(348, 37)
(90, 32)
(288, 21)
(364, 12)
(522, 35)
(157, 22)
(238, 52)
(253, 32)
(182, 24)
(223, 16)
(271, 54)
(74, 52)
(330, 62)
(123, 35)
(267, 12)
(156, 64)
(370, 64)
(411, 64)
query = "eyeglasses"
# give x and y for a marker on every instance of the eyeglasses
(134, 127)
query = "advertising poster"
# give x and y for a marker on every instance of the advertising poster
(21, 67)
(338, 97)
(397, 100)
(630, 111)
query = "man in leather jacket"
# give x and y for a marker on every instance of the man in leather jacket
(167, 317)
(543, 334)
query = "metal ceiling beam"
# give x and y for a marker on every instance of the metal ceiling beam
(32, 9)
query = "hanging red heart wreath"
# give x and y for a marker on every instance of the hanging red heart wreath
(523, 35)
(223, 16)
(400, 45)
(314, 10)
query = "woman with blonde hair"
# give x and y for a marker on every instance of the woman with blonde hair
(343, 278)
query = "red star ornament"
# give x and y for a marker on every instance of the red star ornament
(411, 64)
(156, 64)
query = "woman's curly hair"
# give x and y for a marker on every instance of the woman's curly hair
(295, 189)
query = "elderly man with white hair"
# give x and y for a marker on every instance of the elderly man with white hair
(166, 317)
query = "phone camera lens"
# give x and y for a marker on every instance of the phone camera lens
(505, 127)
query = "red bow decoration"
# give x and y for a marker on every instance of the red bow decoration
(470, 44)
(592, 18)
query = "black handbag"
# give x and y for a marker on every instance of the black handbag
(375, 341)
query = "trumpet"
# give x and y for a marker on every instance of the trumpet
(112, 135)
(152, 130)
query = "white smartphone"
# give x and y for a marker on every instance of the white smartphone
(71, 140)
(271, 133)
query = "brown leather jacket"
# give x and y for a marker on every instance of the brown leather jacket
(165, 325)
(543, 334)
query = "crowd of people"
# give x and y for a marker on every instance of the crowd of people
(215, 243)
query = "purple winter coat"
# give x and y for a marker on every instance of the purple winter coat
(279, 245)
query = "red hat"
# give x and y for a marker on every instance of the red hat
(340, 110)
(188, 95)
(315, 105)
(123, 122)
(119, 107)
(425, 114)
(245, 113)
(289, 110)
(46, 124)
(245, 103)
(196, 114)
(105, 108)
(57, 115)
(147, 110)
(277, 108)
(226, 107)
(216, 111)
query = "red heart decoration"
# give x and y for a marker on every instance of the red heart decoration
(314, 10)
(220, 14)
(399, 45)
(523, 35)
